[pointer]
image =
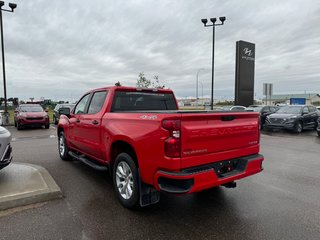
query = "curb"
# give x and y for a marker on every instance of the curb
(32, 194)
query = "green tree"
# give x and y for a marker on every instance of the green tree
(142, 81)
(156, 83)
(118, 84)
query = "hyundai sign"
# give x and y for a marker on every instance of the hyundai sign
(244, 89)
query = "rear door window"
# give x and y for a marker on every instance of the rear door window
(305, 110)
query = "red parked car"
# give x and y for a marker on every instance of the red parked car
(30, 115)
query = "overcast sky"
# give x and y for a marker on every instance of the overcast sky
(61, 49)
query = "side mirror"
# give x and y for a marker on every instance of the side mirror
(65, 111)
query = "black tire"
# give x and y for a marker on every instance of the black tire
(18, 125)
(298, 127)
(47, 126)
(125, 162)
(15, 123)
(318, 133)
(55, 120)
(62, 147)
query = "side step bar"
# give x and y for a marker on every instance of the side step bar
(88, 162)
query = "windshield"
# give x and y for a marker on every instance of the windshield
(290, 110)
(31, 109)
(67, 106)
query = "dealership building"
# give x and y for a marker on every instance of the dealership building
(309, 98)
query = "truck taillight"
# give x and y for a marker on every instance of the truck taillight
(172, 143)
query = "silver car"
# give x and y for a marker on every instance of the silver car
(5, 147)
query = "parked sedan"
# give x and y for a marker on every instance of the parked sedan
(5, 147)
(56, 114)
(30, 115)
(293, 117)
(263, 110)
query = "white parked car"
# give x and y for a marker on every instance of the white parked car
(5, 147)
(233, 108)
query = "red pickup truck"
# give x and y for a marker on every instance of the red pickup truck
(149, 145)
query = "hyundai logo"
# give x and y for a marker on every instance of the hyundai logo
(248, 52)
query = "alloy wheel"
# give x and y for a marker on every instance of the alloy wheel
(124, 180)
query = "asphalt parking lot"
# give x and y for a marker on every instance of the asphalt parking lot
(280, 203)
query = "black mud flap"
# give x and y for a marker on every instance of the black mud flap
(148, 194)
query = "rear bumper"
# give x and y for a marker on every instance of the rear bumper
(207, 176)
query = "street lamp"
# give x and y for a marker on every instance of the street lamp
(197, 85)
(202, 92)
(12, 7)
(213, 25)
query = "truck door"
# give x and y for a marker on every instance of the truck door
(75, 119)
(89, 128)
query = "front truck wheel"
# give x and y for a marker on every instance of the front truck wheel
(126, 180)
(62, 147)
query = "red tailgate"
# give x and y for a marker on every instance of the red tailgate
(207, 135)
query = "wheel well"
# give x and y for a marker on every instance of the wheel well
(120, 147)
(60, 129)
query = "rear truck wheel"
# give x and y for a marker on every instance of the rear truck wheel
(298, 127)
(47, 126)
(126, 180)
(62, 147)
(318, 133)
(55, 120)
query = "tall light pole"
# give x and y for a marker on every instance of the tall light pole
(213, 25)
(202, 92)
(197, 85)
(12, 7)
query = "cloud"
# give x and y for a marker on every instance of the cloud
(61, 49)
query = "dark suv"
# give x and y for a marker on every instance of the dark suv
(263, 110)
(293, 117)
(56, 114)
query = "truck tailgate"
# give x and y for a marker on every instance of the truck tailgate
(216, 133)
